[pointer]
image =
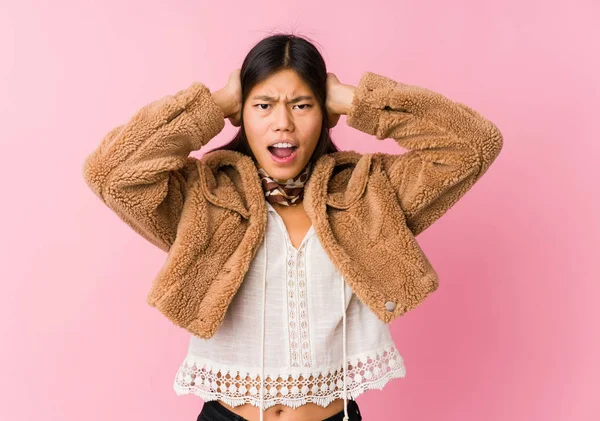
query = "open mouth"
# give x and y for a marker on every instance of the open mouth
(283, 154)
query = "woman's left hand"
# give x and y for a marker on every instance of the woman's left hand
(339, 98)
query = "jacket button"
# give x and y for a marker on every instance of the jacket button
(390, 306)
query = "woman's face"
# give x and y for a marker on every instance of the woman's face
(282, 108)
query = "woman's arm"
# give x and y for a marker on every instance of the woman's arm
(140, 168)
(450, 145)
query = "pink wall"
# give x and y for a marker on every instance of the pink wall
(512, 333)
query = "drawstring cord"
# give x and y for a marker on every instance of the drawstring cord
(344, 348)
(262, 351)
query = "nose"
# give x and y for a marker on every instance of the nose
(282, 119)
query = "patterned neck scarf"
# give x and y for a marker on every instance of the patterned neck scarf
(285, 192)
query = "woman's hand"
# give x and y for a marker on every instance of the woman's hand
(229, 98)
(339, 98)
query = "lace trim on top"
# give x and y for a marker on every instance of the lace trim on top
(363, 373)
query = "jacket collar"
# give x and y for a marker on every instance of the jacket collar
(223, 192)
(326, 187)
(321, 188)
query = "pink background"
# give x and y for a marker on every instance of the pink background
(512, 333)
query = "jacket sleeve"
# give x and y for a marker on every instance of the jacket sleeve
(140, 168)
(450, 146)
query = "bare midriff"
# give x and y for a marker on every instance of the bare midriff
(307, 412)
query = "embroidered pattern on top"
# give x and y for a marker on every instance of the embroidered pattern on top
(298, 323)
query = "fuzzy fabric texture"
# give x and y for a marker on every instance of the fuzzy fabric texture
(210, 214)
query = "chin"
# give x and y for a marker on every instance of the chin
(283, 172)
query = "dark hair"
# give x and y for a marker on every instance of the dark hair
(275, 53)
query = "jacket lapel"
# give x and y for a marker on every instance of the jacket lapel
(322, 190)
(239, 189)
(332, 229)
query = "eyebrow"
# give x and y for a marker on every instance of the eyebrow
(271, 99)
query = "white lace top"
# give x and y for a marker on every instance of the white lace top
(312, 322)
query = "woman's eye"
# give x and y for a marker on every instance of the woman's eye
(299, 105)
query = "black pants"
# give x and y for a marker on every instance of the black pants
(214, 411)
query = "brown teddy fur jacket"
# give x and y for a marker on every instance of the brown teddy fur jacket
(210, 215)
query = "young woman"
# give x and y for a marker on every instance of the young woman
(286, 116)
(287, 257)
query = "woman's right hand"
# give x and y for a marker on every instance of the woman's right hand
(229, 98)
(234, 91)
